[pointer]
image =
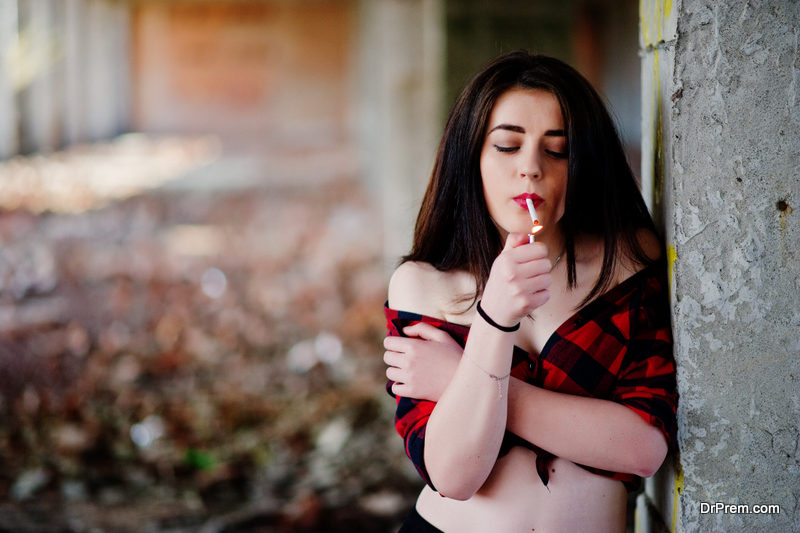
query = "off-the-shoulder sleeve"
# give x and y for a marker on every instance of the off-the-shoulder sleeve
(411, 416)
(646, 382)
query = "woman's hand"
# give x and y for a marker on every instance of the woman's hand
(422, 364)
(518, 281)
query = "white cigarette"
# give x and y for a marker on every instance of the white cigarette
(534, 219)
(532, 211)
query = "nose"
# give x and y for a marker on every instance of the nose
(531, 166)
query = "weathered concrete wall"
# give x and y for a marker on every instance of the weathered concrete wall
(721, 147)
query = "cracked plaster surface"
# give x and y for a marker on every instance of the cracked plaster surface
(732, 159)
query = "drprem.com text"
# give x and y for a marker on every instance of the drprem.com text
(741, 508)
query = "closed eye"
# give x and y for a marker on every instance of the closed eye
(506, 148)
(559, 155)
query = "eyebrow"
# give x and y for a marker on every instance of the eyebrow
(520, 129)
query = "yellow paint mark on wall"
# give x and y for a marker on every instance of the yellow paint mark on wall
(644, 20)
(652, 14)
(672, 256)
(679, 486)
(658, 135)
(659, 20)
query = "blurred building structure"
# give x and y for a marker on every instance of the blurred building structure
(350, 86)
(265, 76)
(64, 74)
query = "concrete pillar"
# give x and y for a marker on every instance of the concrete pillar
(74, 92)
(40, 130)
(107, 67)
(721, 149)
(402, 80)
(9, 141)
(120, 66)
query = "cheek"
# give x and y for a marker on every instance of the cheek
(560, 209)
(561, 196)
(489, 182)
(488, 197)
(486, 169)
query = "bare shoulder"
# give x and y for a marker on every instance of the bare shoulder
(651, 245)
(420, 288)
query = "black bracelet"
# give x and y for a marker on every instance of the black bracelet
(507, 329)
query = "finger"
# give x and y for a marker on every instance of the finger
(429, 332)
(394, 374)
(397, 344)
(514, 240)
(538, 299)
(531, 252)
(531, 269)
(394, 359)
(399, 389)
(537, 284)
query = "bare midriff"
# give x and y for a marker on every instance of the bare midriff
(514, 499)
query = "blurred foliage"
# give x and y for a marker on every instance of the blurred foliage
(188, 359)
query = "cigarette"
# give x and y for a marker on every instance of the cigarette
(532, 211)
(534, 218)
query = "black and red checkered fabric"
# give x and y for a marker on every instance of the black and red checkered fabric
(618, 347)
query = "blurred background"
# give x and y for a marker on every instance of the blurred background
(200, 204)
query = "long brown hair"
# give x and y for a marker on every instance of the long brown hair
(454, 229)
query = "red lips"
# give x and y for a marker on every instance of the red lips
(537, 200)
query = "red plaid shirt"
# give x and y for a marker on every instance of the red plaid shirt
(618, 347)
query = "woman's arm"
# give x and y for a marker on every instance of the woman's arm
(467, 425)
(465, 429)
(631, 430)
(594, 432)
(628, 432)
(590, 431)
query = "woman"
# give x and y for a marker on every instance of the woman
(535, 381)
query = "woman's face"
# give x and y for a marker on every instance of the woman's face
(524, 155)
